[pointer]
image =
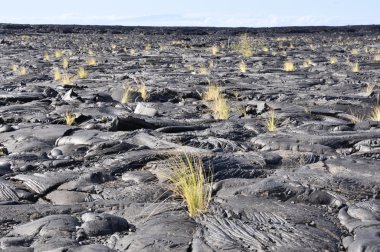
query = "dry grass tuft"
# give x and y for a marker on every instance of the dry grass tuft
(244, 46)
(271, 122)
(375, 115)
(212, 93)
(214, 50)
(126, 94)
(143, 90)
(46, 56)
(220, 108)
(65, 63)
(69, 118)
(203, 71)
(57, 74)
(82, 73)
(376, 57)
(369, 88)
(242, 67)
(355, 68)
(91, 61)
(289, 66)
(188, 180)
(354, 51)
(58, 53)
(67, 80)
(333, 60)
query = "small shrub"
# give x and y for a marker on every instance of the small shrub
(188, 180)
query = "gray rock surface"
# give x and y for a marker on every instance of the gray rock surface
(101, 184)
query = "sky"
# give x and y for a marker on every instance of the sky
(218, 13)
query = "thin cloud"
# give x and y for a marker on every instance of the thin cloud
(188, 20)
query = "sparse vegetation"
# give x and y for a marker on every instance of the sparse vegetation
(69, 118)
(57, 74)
(271, 122)
(354, 51)
(244, 46)
(126, 94)
(58, 53)
(65, 63)
(212, 93)
(220, 108)
(82, 73)
(289, 66)
(91, 61)
(242, 67)
(355, 68)
(143, 91)
(333, 60)
(189, 180)
(214, 50)
(67, 80)
(376, 57)
(369, 88)
(203, 71)
(375, 115)
(46, 56)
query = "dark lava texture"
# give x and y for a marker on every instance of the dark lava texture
(312, 185)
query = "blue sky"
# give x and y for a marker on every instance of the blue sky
(221, 13)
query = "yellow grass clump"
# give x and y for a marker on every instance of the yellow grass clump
(57, 74)
(190, 181)
(203, 71)
(333, 60)
(242, 67)
(376, 57)
(375, 115)
(143, 91)
(69, 118)
(91, 61)
(354, 51)
(355, 68)
(289, 66)
(82, 73)
(220, 108)
(271, 122)
(58, 53)
(212, 93)
(46, 56)
(214, 50)
(369, 88)
(67, 79)
(244, 46)
(65, 63)
(126, 94)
